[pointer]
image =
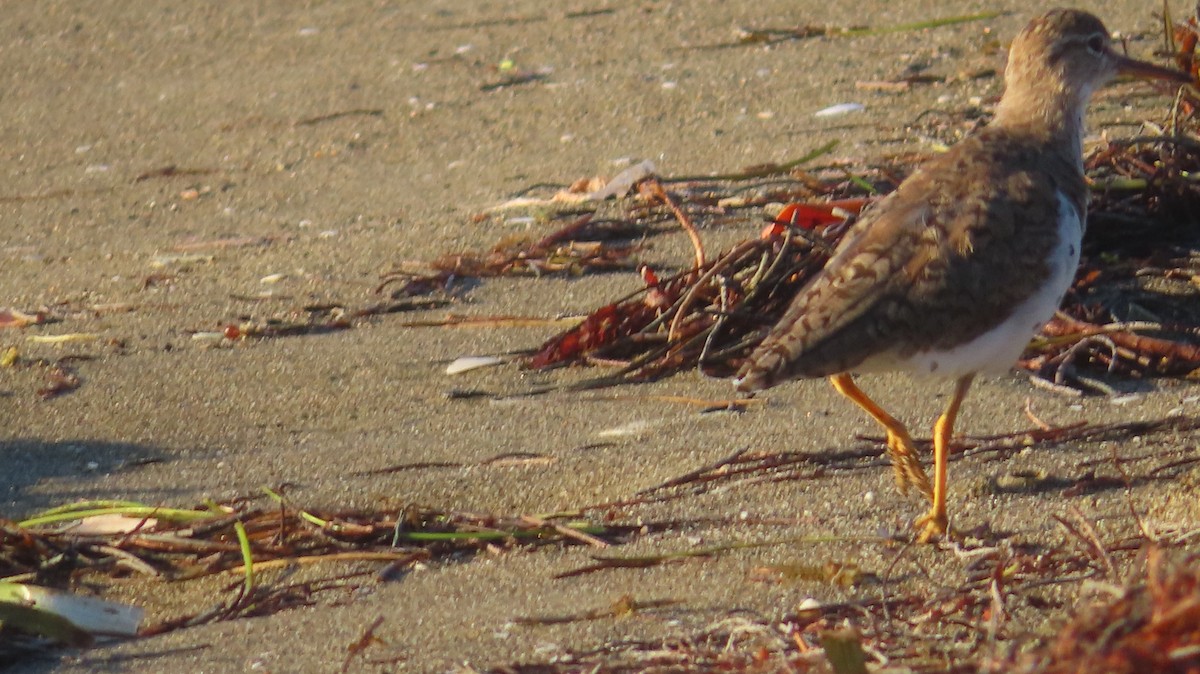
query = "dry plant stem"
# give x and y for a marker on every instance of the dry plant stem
(747, 468)
(695, 474)
(680, 310)
(657, 190)
(1168, 355)
(1034, 418)
(362, 643)
(564, 234)
(705, 403)
(567, 532)
(289, 562)
(1079, 432)
(1085, 532)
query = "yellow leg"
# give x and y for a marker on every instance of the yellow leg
(900, 446)
(934, 523)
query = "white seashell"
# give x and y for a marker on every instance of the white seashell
(839, 109)
(89, 614)
(208, 336)
(808, 604)
(624, 181)
(468, 363)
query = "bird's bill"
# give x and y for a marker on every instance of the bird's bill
(1144, 70)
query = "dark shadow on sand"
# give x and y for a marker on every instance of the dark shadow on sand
(25, 463)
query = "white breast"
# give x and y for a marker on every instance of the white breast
(998, 349)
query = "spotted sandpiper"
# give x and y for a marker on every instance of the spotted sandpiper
(953, 273)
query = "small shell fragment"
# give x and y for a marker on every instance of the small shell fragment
(632, 428)
(468, 363)
(208, 337)
(13, 318)
(808, 604)
(104, 525)
(63, 339)
(624, 181)
(839, 109)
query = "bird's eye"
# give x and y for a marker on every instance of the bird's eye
(1095, 44)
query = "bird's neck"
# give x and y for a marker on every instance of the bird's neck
(1052, 116)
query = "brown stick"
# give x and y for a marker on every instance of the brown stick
(657, 190)
(1152, 348)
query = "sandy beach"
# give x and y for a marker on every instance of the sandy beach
(175, 168)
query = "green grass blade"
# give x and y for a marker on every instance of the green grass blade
(129, 510)
(247, 557)
(306, 516)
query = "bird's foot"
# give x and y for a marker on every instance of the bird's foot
(907, 466)
(933, 524)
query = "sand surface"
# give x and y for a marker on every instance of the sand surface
(285, 203)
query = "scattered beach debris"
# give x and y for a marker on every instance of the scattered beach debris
(1135, 627)
(1132, 314)
(89, 542)
(1134, 311)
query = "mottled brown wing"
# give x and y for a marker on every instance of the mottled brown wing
(824, 331)
(920, 270)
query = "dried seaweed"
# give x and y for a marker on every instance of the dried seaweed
(710, 316)
(1151, 627)
(966, 628)
(51, 549)
(578, 247)
(1134, 311)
